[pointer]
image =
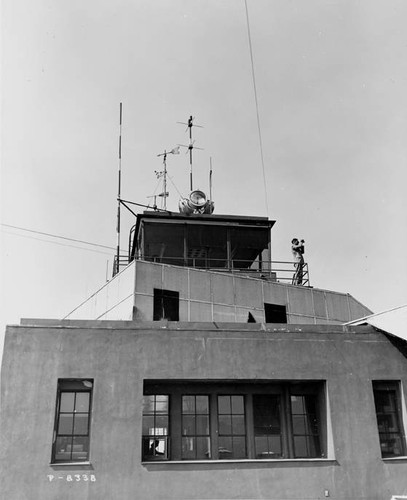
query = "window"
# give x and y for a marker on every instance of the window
(231, 427)
(155, 427)
(274, 313)
(166, 305)
(267, 426)
(389, 418)
(195, 428)
(304, 415)
(232, 421)
(72, 421)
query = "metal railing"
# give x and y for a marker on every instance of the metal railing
(277, 270)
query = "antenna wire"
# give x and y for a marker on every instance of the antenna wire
(257, 107)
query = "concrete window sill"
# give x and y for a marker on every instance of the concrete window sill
(68, 464)
(297, 461)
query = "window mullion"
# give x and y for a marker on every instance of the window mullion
(250, 427)
(288, 444)
(175, 426)
(214, 430)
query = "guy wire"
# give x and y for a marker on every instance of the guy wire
(257, 107)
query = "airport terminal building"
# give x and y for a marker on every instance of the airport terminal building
(201, 370)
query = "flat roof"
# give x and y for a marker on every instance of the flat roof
(234, 219)
(165, 325)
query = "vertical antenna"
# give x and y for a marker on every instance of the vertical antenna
(116, 270)
(163, 174)
(190, 146)
(210, 178)
(165, 181)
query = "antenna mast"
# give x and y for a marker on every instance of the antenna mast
(116, 267)
(163, 174)
(210, 179)
(190, 146)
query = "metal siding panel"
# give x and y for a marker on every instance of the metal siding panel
(222, 289)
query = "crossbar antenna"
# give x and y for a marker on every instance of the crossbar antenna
(190, 146)
(163, 174)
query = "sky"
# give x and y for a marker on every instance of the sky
(331, 81)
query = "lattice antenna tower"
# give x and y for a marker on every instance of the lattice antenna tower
(190, 146)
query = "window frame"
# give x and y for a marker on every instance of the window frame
(160, 296)
(284, 389)
(165, 437)
(275, 313)
(64, 386)
(387, 386)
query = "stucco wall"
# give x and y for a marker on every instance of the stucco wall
(120, 356)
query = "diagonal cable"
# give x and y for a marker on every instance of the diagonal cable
(257, 107)
(56, 236)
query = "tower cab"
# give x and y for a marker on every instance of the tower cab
(205, 241)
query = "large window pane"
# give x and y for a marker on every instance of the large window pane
(188, 448)
(82, 402)
(202, 404)
(80, 448)
(268, 446)
(225, 424)
(67, 402)
(225, 447)
(202, 424)
(155, 448)
(224, 405)
(238, 424)
(63, 447)
(81, 424)
(188, 405)
(203, 448)
(148, 424)
(161, 405)
(161, 425)
(188, 425)
(239, 447)
(196, 448)
(65, 423)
